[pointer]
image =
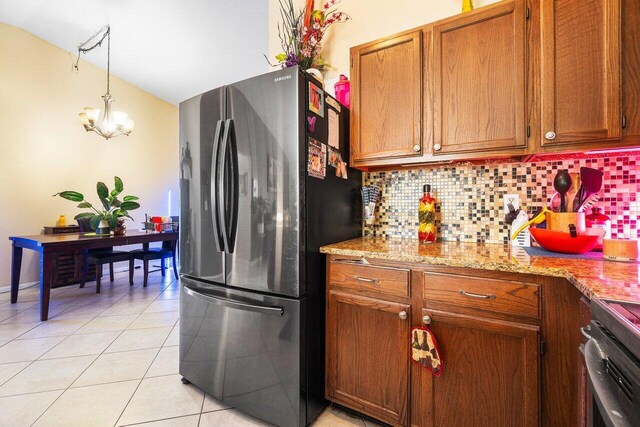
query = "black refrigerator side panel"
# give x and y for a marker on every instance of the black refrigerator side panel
(332, 215)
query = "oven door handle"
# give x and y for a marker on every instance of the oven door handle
(610, 409)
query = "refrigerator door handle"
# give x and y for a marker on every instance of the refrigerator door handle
(228, 186)
(217, 228)
(228, 302)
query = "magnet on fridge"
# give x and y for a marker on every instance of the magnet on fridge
(311, 123)
(316, 100)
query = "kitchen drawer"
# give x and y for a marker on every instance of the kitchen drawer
(483, 293)
(384, 280)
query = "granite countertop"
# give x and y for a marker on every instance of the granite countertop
(593, 277)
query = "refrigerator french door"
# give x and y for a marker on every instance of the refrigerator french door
(252, 299)
(244, 227)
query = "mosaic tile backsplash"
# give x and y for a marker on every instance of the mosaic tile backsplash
(469, 197)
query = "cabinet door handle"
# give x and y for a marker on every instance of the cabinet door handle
(551, 135)
(437, 147)
(416, 148)
(479, 296)
(426, 319)
(366, 279)
(402, 315)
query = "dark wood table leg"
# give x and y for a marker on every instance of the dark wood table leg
(16, 265)
(46, 277)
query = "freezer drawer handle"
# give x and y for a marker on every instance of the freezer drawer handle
(227, 302)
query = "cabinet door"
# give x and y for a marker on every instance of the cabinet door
(368, 355)
(490, 374)
(630, 67)
(479, 81)
(580, 79)
(386, 99)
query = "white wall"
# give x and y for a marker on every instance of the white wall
(371, 19)
(44, 149)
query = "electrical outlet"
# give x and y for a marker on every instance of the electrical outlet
(514, 199)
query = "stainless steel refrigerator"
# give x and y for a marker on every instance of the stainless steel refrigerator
(252, 220)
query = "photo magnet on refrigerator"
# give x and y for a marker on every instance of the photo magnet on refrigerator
(316, 100)
(341, 170)
(317, 162)
(334, 157)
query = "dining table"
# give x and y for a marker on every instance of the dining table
(51, 245)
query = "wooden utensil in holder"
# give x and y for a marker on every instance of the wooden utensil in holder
(559, 221)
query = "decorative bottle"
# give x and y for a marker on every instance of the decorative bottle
(600, 223)
(467, 5)
(427, 217)
(342, 89)
(62, 221)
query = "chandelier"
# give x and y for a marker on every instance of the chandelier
(113, 123)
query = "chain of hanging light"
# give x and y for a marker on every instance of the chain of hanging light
(113, 123)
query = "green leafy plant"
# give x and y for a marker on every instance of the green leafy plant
(113, 207)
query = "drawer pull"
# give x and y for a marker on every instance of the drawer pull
(366, 279)
(479, 296)
(361, 261)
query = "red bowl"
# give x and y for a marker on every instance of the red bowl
(557, 241)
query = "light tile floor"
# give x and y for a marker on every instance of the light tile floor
(107, 360)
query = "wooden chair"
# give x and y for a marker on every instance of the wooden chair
(99, 257)
(167, 250)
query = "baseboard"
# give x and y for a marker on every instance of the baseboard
(5, 289)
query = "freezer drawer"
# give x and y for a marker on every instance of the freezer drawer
(245, 350)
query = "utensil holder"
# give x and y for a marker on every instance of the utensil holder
(523, 239)
(559, 221)
(369, 213)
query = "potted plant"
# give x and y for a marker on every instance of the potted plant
(114, 212)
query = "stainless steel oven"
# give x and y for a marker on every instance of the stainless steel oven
(612, 357)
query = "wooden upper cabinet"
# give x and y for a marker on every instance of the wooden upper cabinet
(386, 117)
(490, 373)
(580, 52)
(630, 70)
(368, 343)
(479, 81)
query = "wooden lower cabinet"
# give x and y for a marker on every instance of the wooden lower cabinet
(368, 355)
(508, 341)
(490, 377)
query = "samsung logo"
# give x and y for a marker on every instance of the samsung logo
(277, 79)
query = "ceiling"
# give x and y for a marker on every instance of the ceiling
(174, 49)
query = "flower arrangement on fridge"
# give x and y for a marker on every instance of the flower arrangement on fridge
(301, 33)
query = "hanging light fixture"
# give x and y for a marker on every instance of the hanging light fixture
(113, 123)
